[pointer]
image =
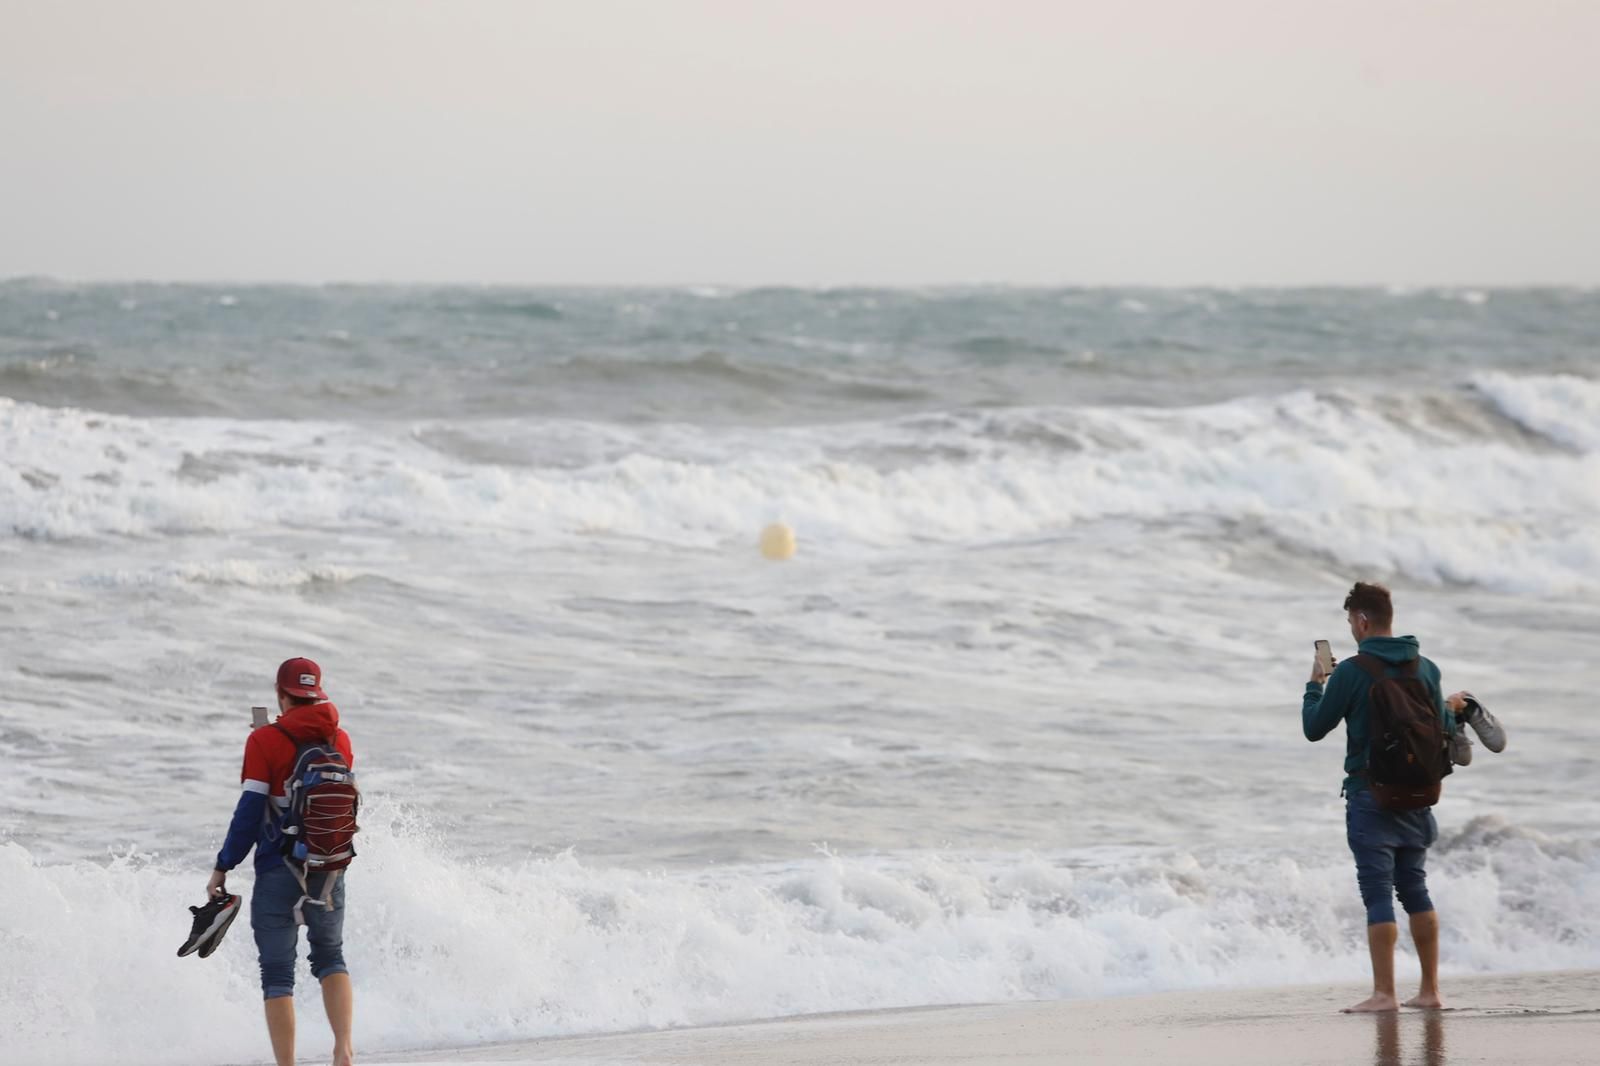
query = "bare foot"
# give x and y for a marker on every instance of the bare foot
(344, 1058)
(1425, 1001)
(1373, 1004)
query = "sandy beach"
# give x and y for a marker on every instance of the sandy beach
(1531, 1020)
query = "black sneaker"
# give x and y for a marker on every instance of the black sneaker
(210, 923)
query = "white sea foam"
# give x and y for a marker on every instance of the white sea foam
(448, 952)
(1331, 476)
(242, 573)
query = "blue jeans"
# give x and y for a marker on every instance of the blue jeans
(1391, 850)
(277, 937)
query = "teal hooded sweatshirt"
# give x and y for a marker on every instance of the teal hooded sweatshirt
(1346, 701)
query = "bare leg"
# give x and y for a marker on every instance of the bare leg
(1425, 935)
(1381, 939)
(280, 1027)
(338, 999)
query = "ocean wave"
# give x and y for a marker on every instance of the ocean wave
(707, 368)
(448, 952)
(711, 384)
(71, 378)
(775, 356)
(236, 573)
(488, 303)
(1563, 408)
(1439, 489)
(999, 346)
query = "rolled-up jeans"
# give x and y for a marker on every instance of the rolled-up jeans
(1391, 850)
(277, 936)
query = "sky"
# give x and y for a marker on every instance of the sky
(1226, 142)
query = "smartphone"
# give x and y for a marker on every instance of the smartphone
(1324, 656)
(258, 717)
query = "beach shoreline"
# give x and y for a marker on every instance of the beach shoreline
(1533, 1019)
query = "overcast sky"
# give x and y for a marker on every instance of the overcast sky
(818, 142)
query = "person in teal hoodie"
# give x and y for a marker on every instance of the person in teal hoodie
(1390, 847)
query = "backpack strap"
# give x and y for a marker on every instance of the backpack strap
(329, 880)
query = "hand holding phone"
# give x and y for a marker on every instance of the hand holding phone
(1323, 665)
(258, 717)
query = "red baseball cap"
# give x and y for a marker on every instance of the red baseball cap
(302, 678)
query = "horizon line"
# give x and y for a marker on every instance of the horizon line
(1387, 286)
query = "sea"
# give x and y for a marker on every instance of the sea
(1019, 720)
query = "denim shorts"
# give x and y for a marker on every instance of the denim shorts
(1391, 852)
(277, 936)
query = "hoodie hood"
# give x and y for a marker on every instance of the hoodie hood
(1395, 650)
(311, 721)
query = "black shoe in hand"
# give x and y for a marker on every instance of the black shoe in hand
(210, 923)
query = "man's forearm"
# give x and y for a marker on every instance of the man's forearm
(1322, 709)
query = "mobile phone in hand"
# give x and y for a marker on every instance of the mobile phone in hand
(258, 717)
(1324, 656)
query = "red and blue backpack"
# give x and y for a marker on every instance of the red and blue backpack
(318, 825)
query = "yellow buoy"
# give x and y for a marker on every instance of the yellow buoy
(777, 542)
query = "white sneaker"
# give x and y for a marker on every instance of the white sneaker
(1486, 725)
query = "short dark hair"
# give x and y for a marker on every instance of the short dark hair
(1372, 601)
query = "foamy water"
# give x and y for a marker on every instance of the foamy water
(1019, 721)
(450, 953)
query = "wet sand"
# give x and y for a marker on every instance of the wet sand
(1516, 1020)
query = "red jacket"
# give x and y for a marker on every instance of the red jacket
(268, 761)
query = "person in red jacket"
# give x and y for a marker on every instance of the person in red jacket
(269, 758)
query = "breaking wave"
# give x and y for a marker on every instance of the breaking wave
(448, 953)
(1497, 485)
